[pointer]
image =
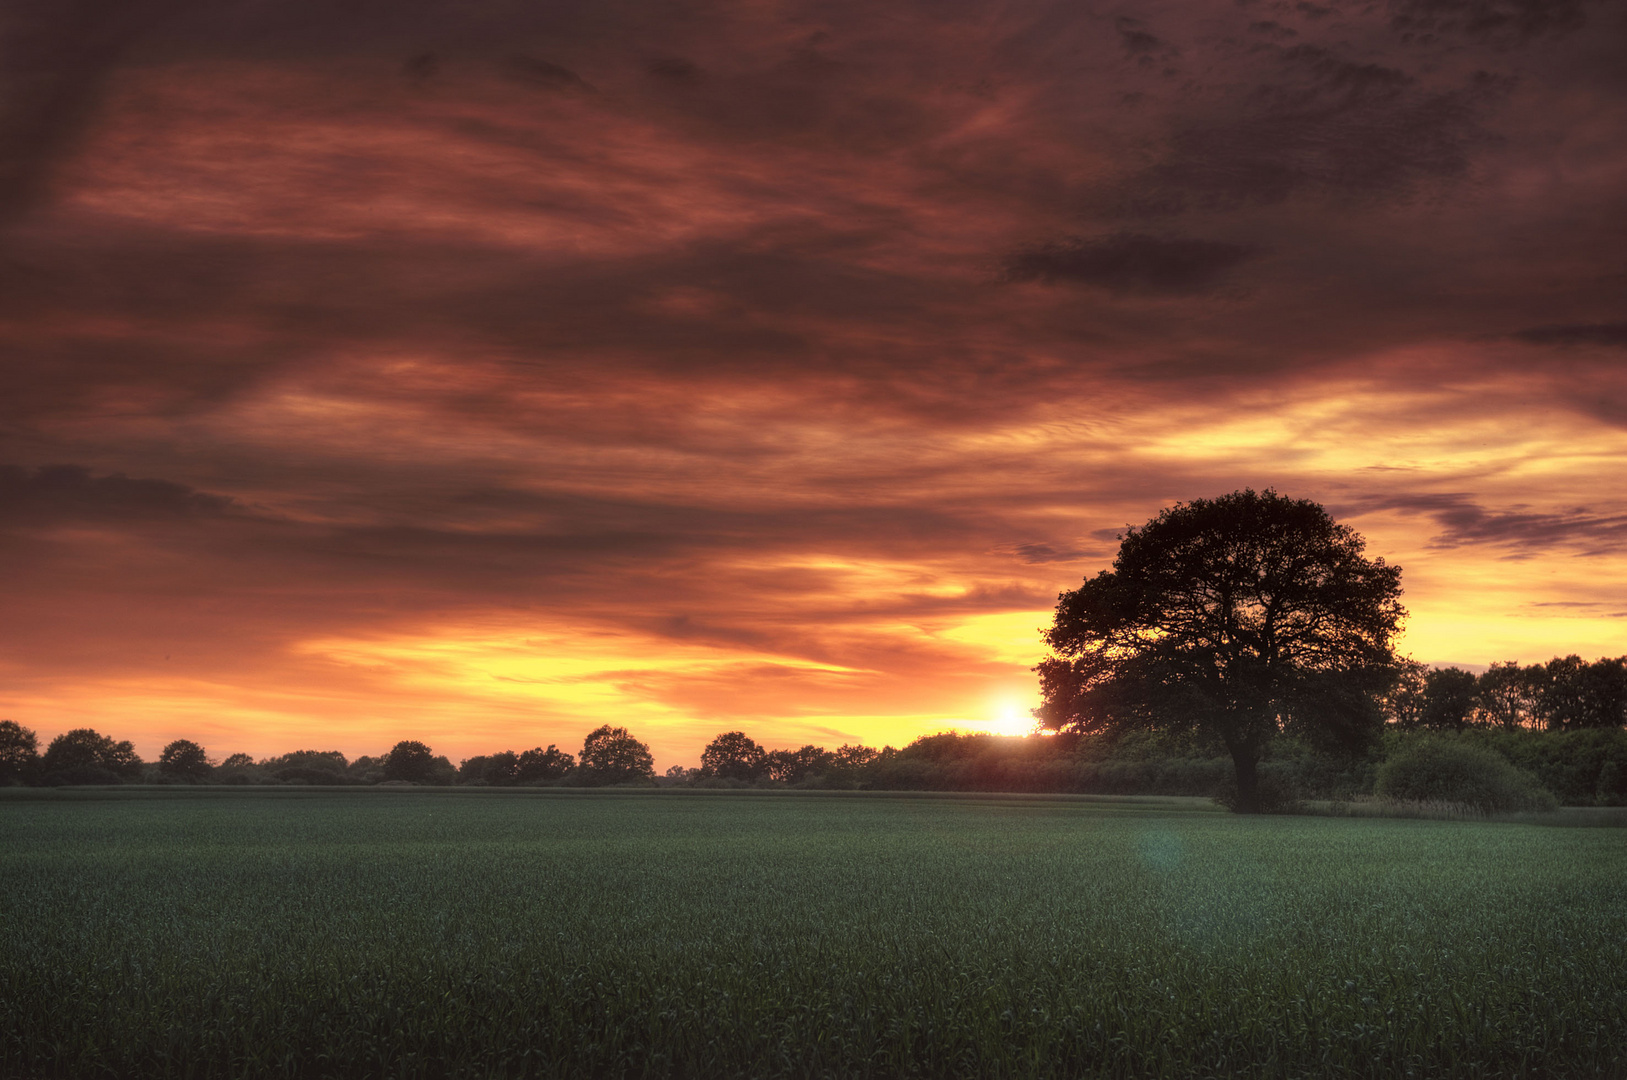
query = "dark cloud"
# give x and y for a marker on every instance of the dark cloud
(54, 58)
(422, 335)
(1039, 553)
(1320, 123)
(1142, 43)
(1501, 21)
(674, 69)
(1463, 522)
(1609, 334)
(1131, 263)
(543, 73)
(55, 493)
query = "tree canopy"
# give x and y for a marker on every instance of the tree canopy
(1242, 616)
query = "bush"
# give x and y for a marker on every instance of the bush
(1451, 771)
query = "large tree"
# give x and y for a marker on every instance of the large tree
(1241, 616)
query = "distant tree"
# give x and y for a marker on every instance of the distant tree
(732, 756)
(330, 760)
(795, 766)
(87, 752)
(854, 757)
(539, 766)
(496, 769)
(238, 760)
(186, 759)
(1506, 694)
(678, 774)
(502, 767)
(410, 760)
(1449, 699)
(19, 753)
(610, 755)
(1244, 616)
(473, 770)
(1403, 701)
(1574, 694)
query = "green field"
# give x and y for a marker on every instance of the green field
(217, 933)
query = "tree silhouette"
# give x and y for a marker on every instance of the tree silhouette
(19, 753)
(538, 766)
(410, 760)
(610, 755)
(1241, 616)
(84, 755)
(793, 766)
(184, 758)
(1449, 699)
(732, 756)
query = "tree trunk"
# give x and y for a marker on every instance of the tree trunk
(1246, 761)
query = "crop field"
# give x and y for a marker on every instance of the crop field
(221, 933)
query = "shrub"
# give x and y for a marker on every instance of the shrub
(1445, 770)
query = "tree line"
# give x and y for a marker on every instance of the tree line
(1563, 731)
(1565, 694)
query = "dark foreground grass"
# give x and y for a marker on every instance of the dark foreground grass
(571, 934)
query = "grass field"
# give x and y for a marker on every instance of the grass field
(419, 933)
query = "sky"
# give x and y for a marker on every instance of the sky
(484, 372)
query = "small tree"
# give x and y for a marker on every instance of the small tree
(19, 753)
(185, 759)
(1241, 616)
(410, 760)
(238, 760)
(732, 756)
(610, 755)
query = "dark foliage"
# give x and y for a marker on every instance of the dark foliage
(1455, 771)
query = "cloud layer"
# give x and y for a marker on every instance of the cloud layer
(482, 375)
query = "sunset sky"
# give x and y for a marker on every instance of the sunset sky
(484, 372)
